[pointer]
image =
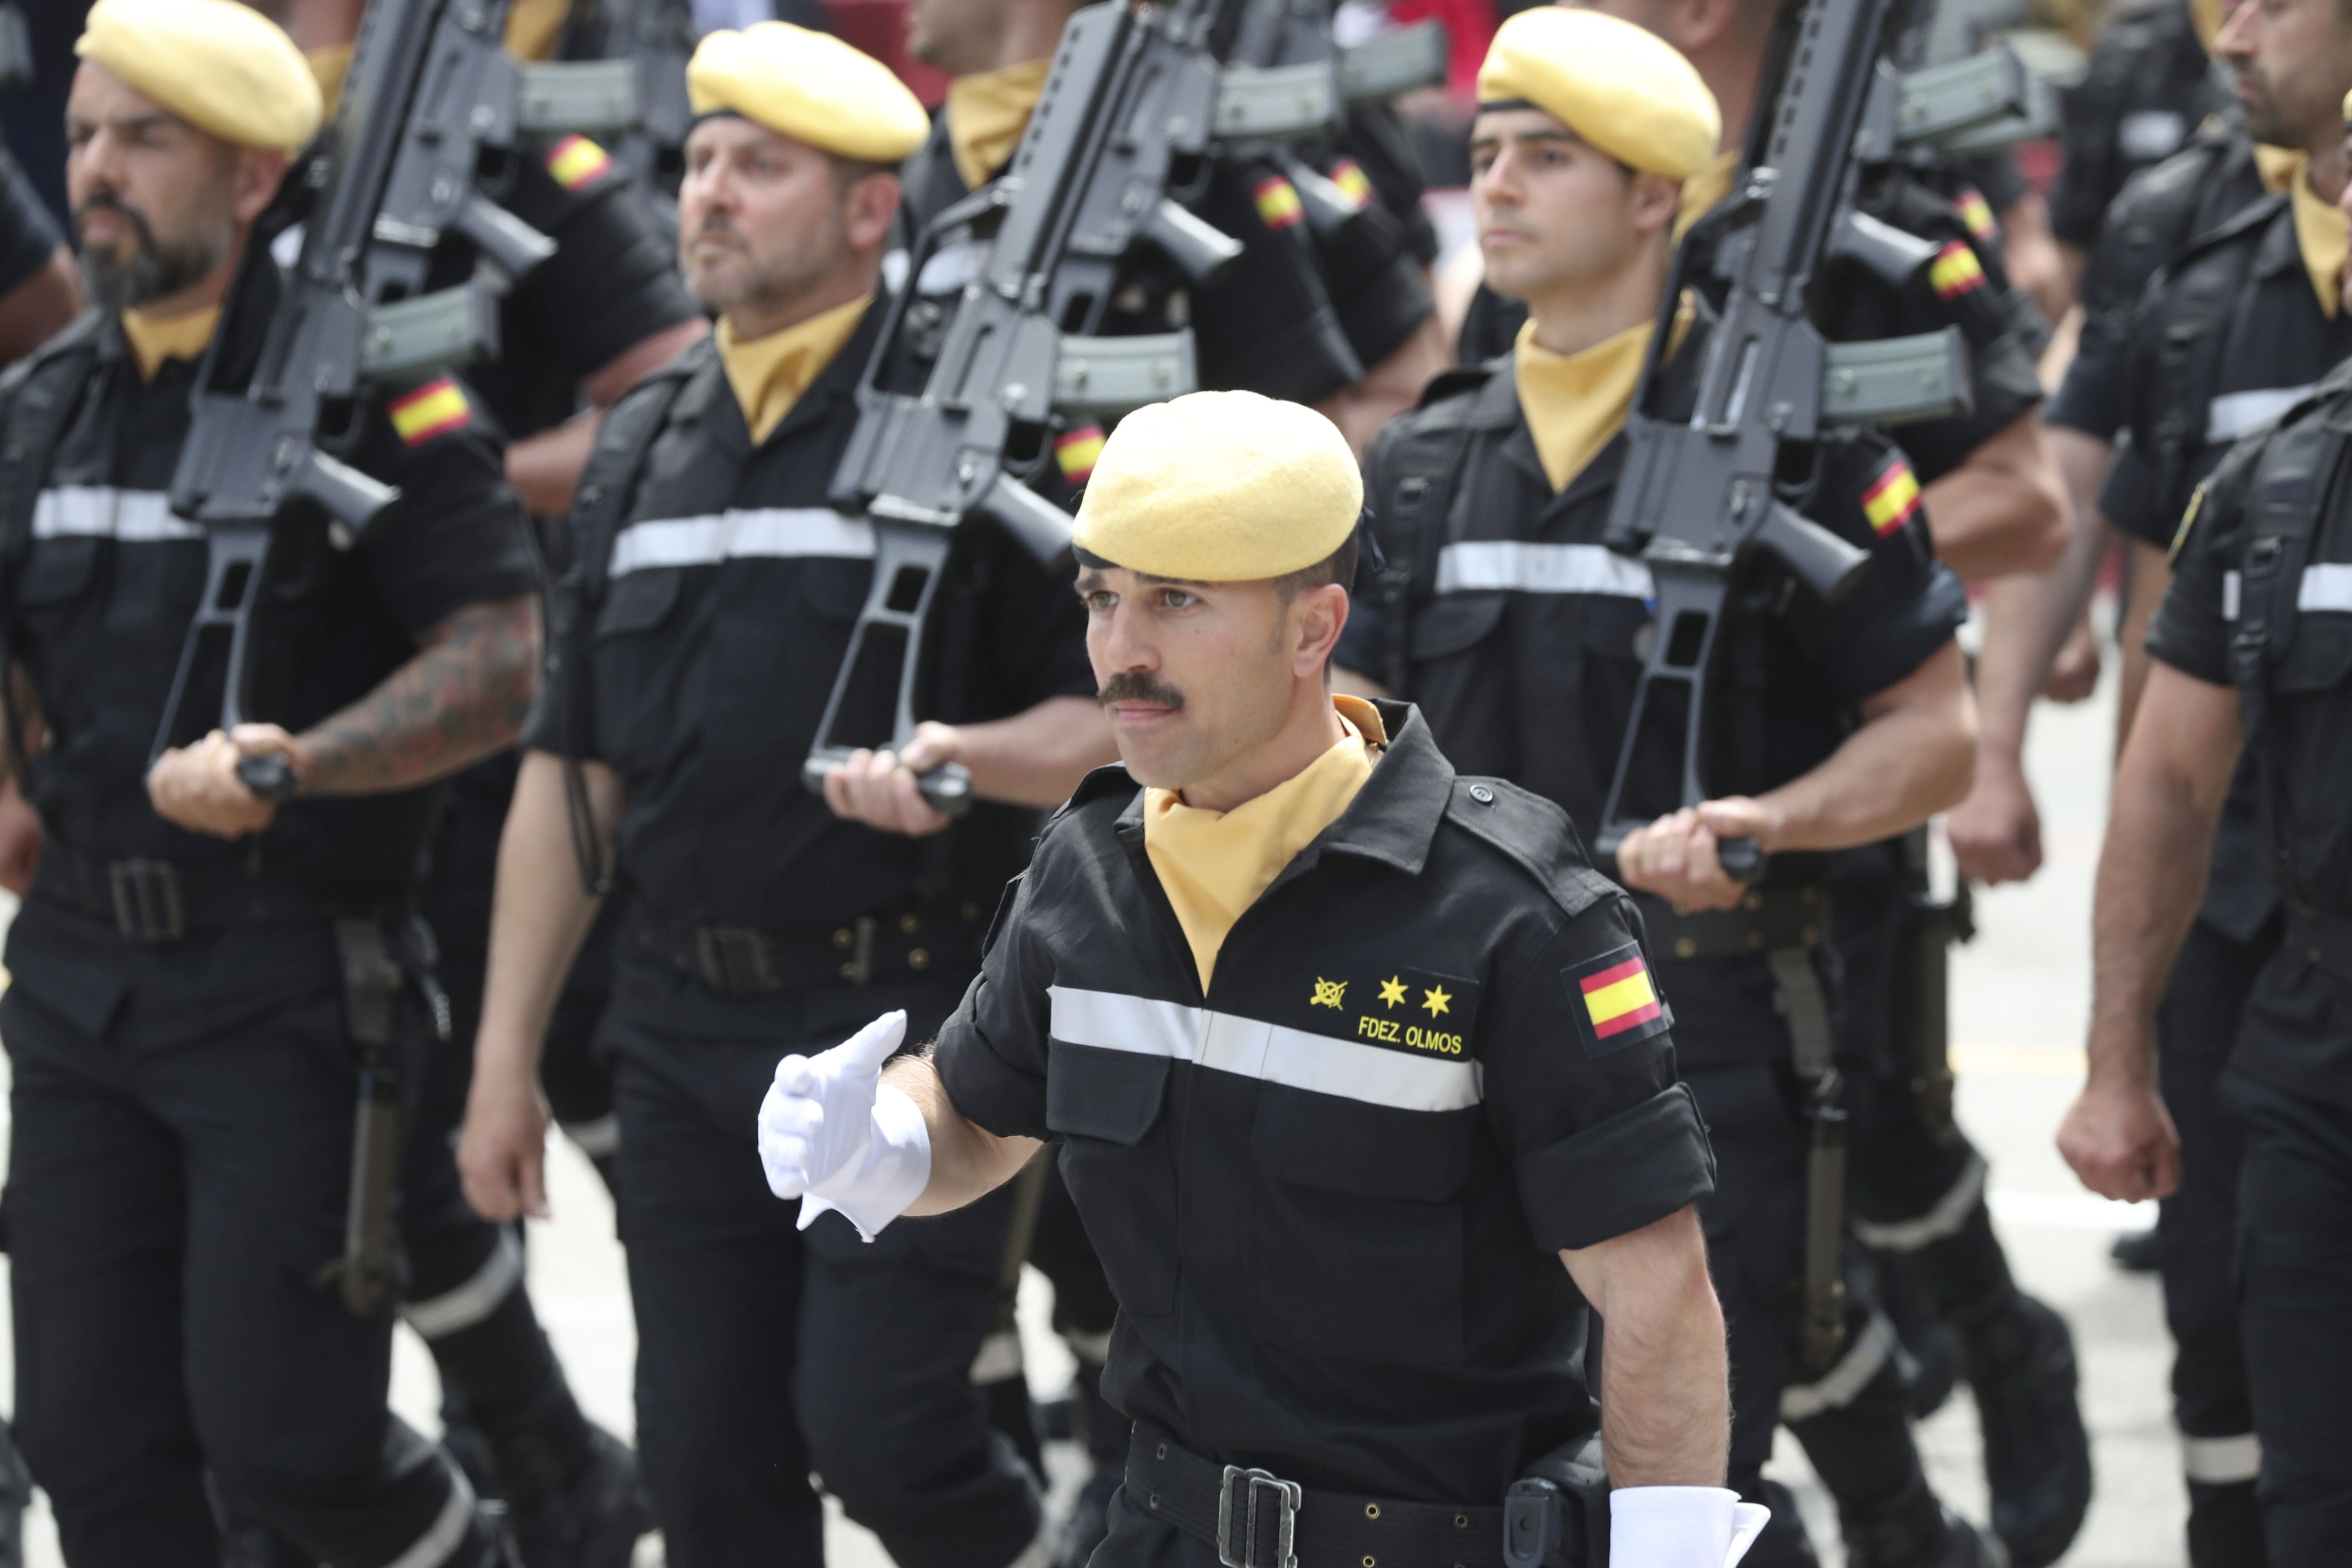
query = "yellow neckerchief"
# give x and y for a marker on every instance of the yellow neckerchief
(155, 338)
(1705, 191)
(769, 374)
(330, 65)
(532, 26)
(2319, 228)
(1574, 404)
(986, 115)
(1215, 864)
(2207, 17)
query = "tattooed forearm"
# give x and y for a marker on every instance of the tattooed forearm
(463, 698)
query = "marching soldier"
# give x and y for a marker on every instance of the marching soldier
(1522, 637)
(2250, 653)
(201, 969)
(714, 597)
(1346, 1055)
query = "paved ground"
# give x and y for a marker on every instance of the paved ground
(2020, 1001)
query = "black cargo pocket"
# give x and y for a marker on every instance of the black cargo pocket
(1357, 1245)
(1116, 1158)
(638, 602)
(1451, 623)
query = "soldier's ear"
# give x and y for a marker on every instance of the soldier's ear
(254, 181)
(868, 208)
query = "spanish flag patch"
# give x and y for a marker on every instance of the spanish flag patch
(1077, 452)
(434, 409)
(1350, 176)
(1977, 213)
(1277, 202)
(1954, 271)
(576, 162)
(1615, 1002)
(1892, 498)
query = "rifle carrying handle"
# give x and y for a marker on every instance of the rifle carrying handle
(947, 788)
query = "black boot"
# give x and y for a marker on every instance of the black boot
(2135, 1251)
(2020, 1360)
(593, 1520)
(1915, 1530)
(1927, 1352)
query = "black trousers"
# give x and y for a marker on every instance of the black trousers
(2294, 1304)
(2204, 1003)
(765, 1354)
(170, 1207)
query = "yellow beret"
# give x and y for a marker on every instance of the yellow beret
(1618, 86)
(1221, 487)
(224, 68)
(810, 87)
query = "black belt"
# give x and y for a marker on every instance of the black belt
(935, 937)
(1767, 920)
(164, 900)
(1255, 1520)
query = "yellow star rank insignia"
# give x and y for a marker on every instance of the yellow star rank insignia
(1436, 1000)
(1329, 993)
(1392, 991)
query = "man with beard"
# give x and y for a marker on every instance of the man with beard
(715, 599)
(202, 970)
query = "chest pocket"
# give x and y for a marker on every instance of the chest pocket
(1356, 1244)
(638, 602)
(1108, 1107)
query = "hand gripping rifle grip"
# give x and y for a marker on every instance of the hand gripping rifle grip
(947, 787)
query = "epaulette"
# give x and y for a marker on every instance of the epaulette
(1455, 381)
(1533, 833)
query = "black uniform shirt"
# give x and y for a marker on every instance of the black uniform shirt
(28, 237)
(1329, 1194)
(1527, 657)
(97, 606)
(2002, 325)
(731, 591)
(2149, 86)
(2298, 1032)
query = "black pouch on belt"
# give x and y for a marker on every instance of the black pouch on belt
(1556, 1515)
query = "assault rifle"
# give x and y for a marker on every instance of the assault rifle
(428, 111)
(1119, 139)
(622, 76)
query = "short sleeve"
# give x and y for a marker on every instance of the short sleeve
(456, 536)
(1580, 1088)
(990, 1053)
(1267, 325)
(612, 282)
(1906, 606)
(2192, 626)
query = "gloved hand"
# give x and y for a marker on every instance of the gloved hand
(1681, 1527)
(833, 1136)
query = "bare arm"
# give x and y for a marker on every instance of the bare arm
(2003, 510)
(35, 311)
(2168, 791)
(968, 1162)
(539, 915)
(1911, 757)
(2035, 265)
(1665, 1406)
(545, 468)
(1035, 758)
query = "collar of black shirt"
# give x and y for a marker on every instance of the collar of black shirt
(707, 398)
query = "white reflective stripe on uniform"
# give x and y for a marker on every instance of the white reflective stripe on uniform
(101, 511)
(770, 530)
(1949, 1214)
(1270, 1053)
(1843, 1383)
(2234, 413)
(2327, 586)
(1508, 563)
(449, 1529)
(2233, 584)
(595, 1139)
(474, 1300)
(2221, 1461)
(2149, 135)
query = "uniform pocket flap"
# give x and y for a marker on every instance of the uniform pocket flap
(1372, 1150)
(59, 570)
(1453, 622)
(637, 602)
(1092, 1092)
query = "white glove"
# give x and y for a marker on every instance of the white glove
(1681, 1527)
(832, 1135)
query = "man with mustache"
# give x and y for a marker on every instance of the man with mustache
(1523, 637)
(716, 597)
(1347, 1055)
(202, 966)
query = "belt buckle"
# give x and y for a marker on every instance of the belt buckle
(147, 903)
(1285, 1495)
(735, 959)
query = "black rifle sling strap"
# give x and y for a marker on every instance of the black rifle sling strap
(41, 398)
(606, 485)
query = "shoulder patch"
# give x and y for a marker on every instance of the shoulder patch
(1891, 498)
(1076, 452)
(1954, 271)
(437, 408)
(1977, 213)
(2187, 521)
(576, 162)
(1615, 1001)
